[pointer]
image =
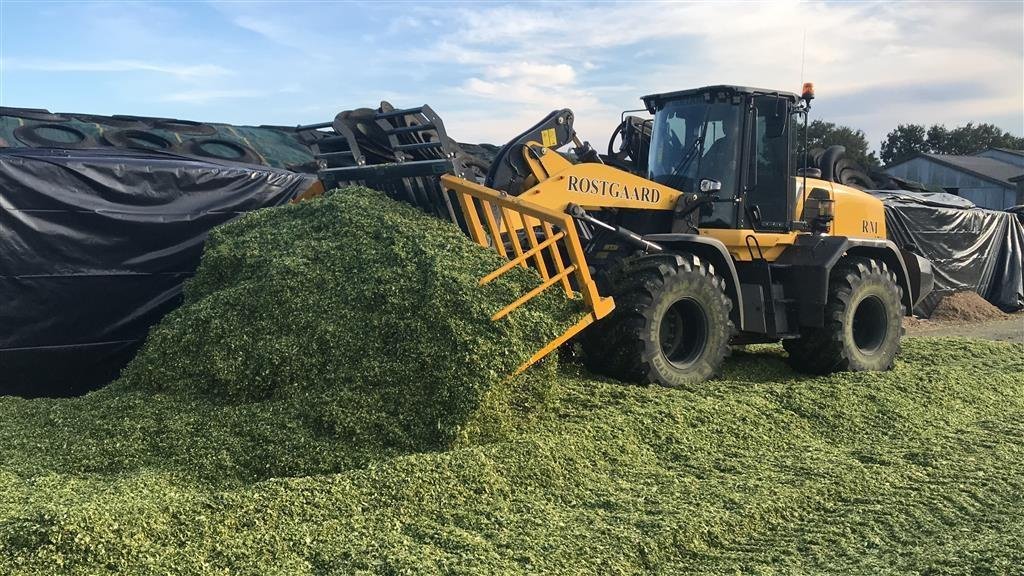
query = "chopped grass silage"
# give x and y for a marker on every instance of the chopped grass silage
(356, 304)
(181, 468)
(918, 470)
(314, 338)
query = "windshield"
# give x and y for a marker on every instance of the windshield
(694, 139)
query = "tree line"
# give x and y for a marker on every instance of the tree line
(907, 140)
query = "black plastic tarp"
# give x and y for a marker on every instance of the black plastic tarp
(94, 247)
(970, 248)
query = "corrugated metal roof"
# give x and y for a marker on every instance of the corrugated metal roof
(981, 166)
(1009, 151)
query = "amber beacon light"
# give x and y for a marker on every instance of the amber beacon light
(808, 91)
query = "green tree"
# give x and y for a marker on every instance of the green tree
(909, 139)
(938, 138)
(903, 142)
(971, 139)
(821, 134)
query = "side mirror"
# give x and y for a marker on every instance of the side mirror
(707, 185)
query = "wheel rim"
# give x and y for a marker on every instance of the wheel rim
(683, 332)
(870, 324)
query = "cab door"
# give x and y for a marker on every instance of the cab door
(768, 189)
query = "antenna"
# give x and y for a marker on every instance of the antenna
(807, 113)
(803, 56)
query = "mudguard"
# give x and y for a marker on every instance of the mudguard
(715, 252)
(809, 262)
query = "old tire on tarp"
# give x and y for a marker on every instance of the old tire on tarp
(863, 322)
(34, 135)
(670, 325)
(32, 114)
(112, 121)
(141, 139)
(149, 121)
(223, 150)
(849, 173)
(187, 127)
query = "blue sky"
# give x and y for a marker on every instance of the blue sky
(492, 69)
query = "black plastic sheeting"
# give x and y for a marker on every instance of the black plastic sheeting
(94, 247)
(970, 248)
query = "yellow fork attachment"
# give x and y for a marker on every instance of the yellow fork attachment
(502, 217)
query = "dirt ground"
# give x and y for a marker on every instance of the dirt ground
(968, 314)
(1007, 329)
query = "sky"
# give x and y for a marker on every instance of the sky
(492, 69)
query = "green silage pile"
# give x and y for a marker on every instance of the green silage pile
(235, 446)
(314, 338)
(361, 310)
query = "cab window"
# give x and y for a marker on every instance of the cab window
(767, 193)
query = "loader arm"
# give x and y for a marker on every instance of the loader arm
(510, 171)
(591, 186)
(536, 228)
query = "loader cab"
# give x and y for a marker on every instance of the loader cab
(738, 137)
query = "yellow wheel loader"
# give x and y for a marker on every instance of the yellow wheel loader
(713, 239)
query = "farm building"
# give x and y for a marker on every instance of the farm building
(991, 178)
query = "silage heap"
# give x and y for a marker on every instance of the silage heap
(363, 311)
(315, 338)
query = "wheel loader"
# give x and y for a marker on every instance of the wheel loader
(714, 238)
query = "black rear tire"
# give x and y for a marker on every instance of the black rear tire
(863, 322)
(670, 325)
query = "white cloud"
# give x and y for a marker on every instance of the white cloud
(533, 73)
(210, 95)
(871, 50)
(403, 24)
(284, 30)
(272, 30)
(207, 96)
(184, 71)
(493, 69)
(525, 91)
(528, 83)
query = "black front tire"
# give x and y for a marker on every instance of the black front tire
(670, 325)
(863, 322)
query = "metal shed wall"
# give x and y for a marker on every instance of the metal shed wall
(983, 193)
